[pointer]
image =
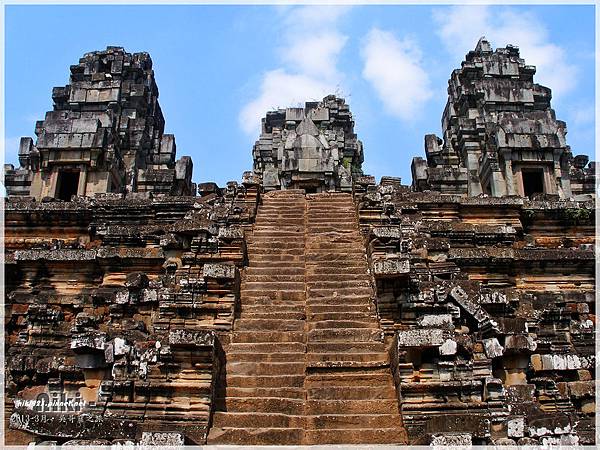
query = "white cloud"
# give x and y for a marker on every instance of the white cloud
(308, 52)
(280, 89)
(460, 27)
(393, 67)
(315, 55)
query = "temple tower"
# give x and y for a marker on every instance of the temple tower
(501, 136)
(105, 134)
(312, 148)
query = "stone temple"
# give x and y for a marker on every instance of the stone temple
(306, 304)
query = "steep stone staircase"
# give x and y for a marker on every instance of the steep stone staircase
(306, 363)
(350, 393)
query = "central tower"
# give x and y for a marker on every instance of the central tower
(312, 148)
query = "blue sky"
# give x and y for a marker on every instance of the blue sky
(220, 68)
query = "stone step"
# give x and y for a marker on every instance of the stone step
(347, 359)
(295, 393)
(318, 215)
(328, 197)
(265, 218)
(344, 421)
(264, 404)
(259, 236)
(339, 300)
(346, 314)
(292, 211)
(272, 298)
(342, 277)
(275, 277)
(367, 323)
(265, 257)
(248, 286)
(337, 284)
(285, 224)
(314, 407)
(345, 334)
(296, 239)
(359, 392)
(330, 219)
(268, 227)
(363, 307)
(265, 368)
(263, 231)
(266, 264)
(314, 229)
(296, 247)
(314, 215)
(351, 268)
(268, 271)
(255, 436)
(266, 347)
(223, 419)
(265, 380)
(335, 241)
(314, 292)
(365, 359)
(331, 205)
(282, 208)
(267, 336)
(270, 357)
(293, 208)
(293, 245)
(288, 193)
(348, 364)
(346, 347)
(328, 256)
(292, 215)
(337, 265)
(276, 250)
(272, 289)
(273, 315)
(245, 324)
(276, 307)
(350, 377)
(395, 435)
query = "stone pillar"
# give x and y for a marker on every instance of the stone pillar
(472, 163)
(82, 182)
(53, 184)
(508, 173)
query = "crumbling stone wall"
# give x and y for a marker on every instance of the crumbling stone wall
(116, 302)
(490, 304)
